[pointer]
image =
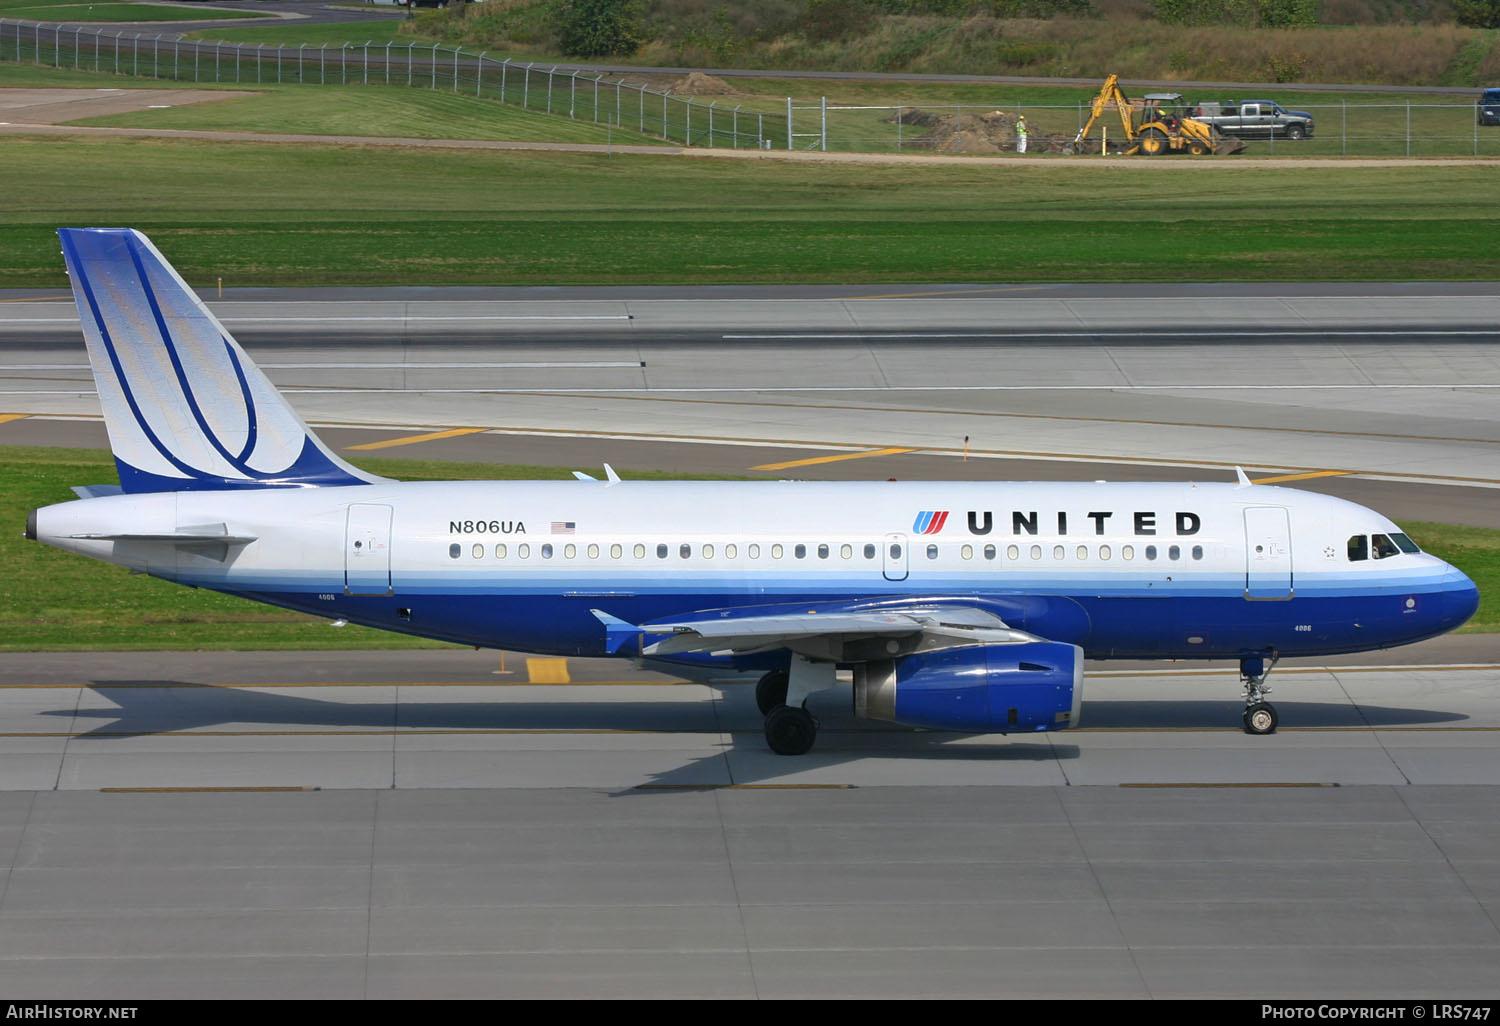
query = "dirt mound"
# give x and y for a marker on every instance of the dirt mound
(994, 132)
(699, 84)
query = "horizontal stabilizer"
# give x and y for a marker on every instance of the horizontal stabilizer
(96, 491)
(210, 540)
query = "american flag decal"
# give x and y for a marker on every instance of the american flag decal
(564, 526)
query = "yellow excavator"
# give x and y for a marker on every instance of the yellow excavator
(1160, 123)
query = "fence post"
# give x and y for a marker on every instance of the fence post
(572, 93)
(434, 67)
(687, 128)
(479, 74)
(387, 63)
(57, 51)
(1408, 128)
(824, 130)
(278, 63)
(789, 122)
(643, 109)
(550, 75)
(526, 89)
(456, 51)
(504, 67)
(135, 55)
(711, 123)
(118, 36)
(411, 61)
(734, 127)
(367, 61)
(77, 46)
(155, 57)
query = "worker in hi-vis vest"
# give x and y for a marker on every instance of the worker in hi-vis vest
(1021, 134)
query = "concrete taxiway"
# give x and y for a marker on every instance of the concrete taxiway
(421, 824)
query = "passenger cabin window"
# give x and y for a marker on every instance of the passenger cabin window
(1359, 548)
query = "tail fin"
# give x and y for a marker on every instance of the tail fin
(185, 407)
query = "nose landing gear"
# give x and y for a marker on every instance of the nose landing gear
(1260, 715)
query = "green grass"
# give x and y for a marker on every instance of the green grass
(377, 110)
(55, 601)
(72, 12)
(296, 33)
(267, 214)
(1475, 551)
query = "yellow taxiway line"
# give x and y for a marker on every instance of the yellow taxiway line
(831, 459)
(435, 436)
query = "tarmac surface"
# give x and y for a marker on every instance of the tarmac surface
(477, 824)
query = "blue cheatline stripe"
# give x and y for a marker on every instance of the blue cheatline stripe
(170, 345)
(114, 360)
(252, 424)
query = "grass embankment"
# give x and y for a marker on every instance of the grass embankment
(72, 12)
(1119, 37)
(260, 214)
(55, 601)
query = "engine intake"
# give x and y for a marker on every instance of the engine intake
(1037, 685)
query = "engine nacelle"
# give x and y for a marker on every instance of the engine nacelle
(1037, 685)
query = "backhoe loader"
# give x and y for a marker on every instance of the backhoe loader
(1158, 124)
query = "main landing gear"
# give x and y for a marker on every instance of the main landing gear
(782, 696)
(1260, 715)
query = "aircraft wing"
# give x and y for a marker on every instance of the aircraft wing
(838, 634)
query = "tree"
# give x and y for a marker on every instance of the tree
(598, 28)
(1478, 13)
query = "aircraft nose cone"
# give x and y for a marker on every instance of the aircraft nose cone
(1460, 598)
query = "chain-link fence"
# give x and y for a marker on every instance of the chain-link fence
(1339, 129)
(534, 87)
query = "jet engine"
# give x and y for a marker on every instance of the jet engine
(1036, 685)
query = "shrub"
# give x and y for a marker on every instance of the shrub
(599, 28)
(1267, 13)
(1478, 13)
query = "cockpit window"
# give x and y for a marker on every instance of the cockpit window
(1359, 548)
(1405, 543)
(1383, 547)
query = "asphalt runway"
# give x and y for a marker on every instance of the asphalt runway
(422, 824)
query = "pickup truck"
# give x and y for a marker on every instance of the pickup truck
(1489, 107)
(1256, 118)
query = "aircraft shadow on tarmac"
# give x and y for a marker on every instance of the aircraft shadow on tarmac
(161, 707)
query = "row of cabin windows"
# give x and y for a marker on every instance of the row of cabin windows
(846, 551)
(1379, 546)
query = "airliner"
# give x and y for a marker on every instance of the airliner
(951, 606)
